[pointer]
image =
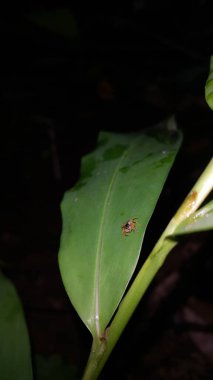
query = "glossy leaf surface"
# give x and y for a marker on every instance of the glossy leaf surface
(201, 220)
(15, 358)
(120, 180)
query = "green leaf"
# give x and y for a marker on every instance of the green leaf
(120, 180)
(209, 86)
(15, 358)
(201, 220)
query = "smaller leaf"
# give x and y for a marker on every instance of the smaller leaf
(209, 86)
(201, 220)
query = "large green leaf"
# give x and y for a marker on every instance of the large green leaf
(201, 220)
(120, 180)
(15, 358)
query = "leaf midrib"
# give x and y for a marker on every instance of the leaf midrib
(100, 241)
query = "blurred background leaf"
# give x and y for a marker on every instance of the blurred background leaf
(15, 356)
(59, 21)
(54, 368)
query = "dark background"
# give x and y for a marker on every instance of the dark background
(117, 67)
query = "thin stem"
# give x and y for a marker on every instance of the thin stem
(97, 352)
(155, 260)
(196, 196)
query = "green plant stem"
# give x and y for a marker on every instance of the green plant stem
(102, 349)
